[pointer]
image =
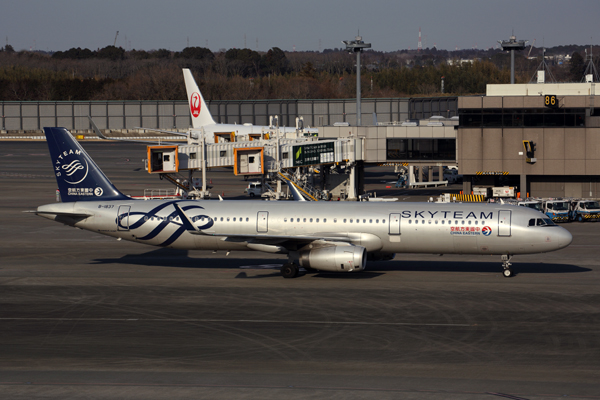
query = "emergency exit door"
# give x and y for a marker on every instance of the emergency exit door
(504, 222)
(394, 224)
(262, 222)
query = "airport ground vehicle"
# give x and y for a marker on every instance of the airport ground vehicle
(254, 189)
(584, 210)
(556, 209)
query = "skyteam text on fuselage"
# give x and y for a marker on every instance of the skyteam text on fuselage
(325, 236)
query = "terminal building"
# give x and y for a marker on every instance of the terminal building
(542, 138)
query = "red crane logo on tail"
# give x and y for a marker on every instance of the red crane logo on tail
(195, 104)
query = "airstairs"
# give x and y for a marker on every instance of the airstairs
(309, 191)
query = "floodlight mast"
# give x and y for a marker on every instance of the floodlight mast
(357, 46)
(513, 44)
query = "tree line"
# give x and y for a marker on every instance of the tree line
(112, 73)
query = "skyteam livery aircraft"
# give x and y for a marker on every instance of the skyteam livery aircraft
(323, 236)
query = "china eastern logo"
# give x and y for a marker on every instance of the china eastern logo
(195, 104)
(70, 167)
(486, 230)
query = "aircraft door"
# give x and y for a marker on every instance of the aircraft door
(123, 218)
(394, 224)
(262, 222)
(504, 222)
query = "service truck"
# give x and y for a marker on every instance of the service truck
(556, 209)
(584, 210)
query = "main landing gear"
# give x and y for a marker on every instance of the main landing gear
(290, 270)
(507, 272)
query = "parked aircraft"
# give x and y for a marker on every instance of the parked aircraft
(203, 120)
(324, 236)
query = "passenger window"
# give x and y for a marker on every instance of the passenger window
(376, 221)
(443, 221)
(310, 220)
(463, 222)
(370, 221)
(221, 219)
(410, 221)
(351, 220)
(285, 220)
(344, 220)
(227, 219)
(364, 221)
(304, 220)
(233, 219)
(247, 219)
(423, 222)
(317, 220)
(436, 221)
(469, 222)
(383, 221)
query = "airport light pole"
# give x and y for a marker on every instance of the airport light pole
(512, 44)
(357, 46)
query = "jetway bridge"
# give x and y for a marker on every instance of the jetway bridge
(275, 160)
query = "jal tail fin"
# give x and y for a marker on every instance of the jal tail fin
(77, 175)
(198, 109)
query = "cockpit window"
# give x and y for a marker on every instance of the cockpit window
(541, 222)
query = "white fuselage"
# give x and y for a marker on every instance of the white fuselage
(379, 227)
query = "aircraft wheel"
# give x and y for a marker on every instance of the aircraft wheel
(507, 273)
(289, 270)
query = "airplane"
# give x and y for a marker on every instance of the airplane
(203, 120)
(323, 236)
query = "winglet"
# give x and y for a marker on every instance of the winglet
(295, 192)
(95, 128)
(198, 109)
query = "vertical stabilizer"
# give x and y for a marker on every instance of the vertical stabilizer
(77, 175)
(198, 109)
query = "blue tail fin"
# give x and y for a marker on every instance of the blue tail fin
(77, 175)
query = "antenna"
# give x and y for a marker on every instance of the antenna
(115, 43)
(419, 45)
(542, 70)
(591, 72)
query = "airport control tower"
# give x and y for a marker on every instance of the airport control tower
(512, 44)
(357, 46)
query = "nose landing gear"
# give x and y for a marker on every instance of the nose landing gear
(507, 272)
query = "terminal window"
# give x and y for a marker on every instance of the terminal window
(521, 117)
(421, 149)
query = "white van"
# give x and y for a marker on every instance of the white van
(253, 189)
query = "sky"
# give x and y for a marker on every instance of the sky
(303, 25)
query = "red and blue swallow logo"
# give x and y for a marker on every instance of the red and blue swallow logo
(486, 230)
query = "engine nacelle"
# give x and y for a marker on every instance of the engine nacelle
(379, 256)
(335, 258)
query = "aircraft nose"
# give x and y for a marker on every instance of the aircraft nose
(564, 238)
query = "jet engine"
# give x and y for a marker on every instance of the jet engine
(335, 258)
